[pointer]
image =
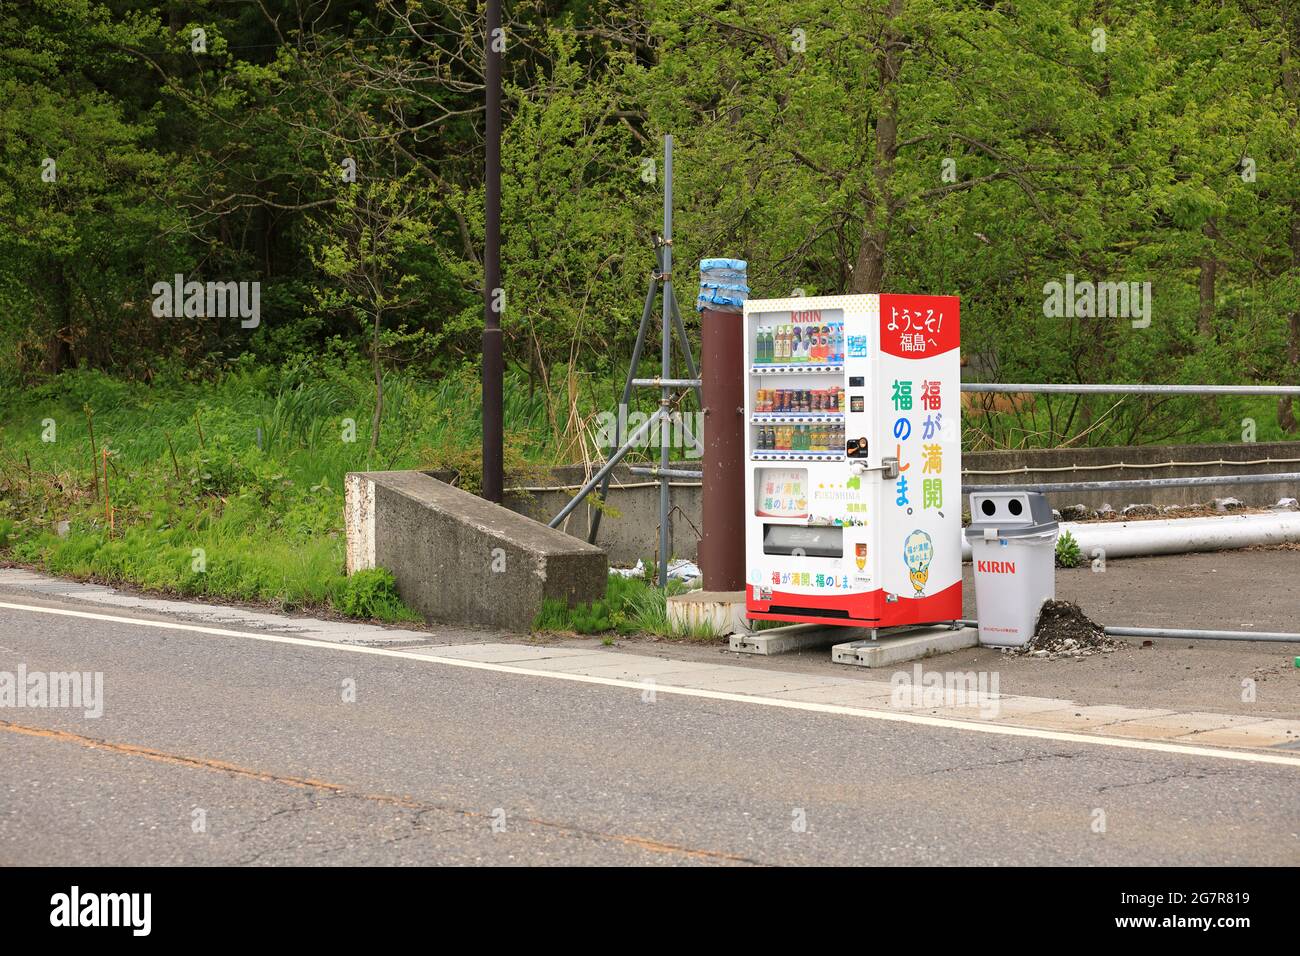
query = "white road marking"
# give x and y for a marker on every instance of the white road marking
(924, 720)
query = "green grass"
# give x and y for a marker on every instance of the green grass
(233, 488)
(630, 606)
(197, 506)
(1182, 420)
(372, 593)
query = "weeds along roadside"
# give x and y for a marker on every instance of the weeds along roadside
(234, 488)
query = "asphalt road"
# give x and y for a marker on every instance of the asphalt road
(219, 750)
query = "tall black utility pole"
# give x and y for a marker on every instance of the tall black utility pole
(493, 294)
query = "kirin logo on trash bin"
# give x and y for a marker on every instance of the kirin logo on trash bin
(995, 567)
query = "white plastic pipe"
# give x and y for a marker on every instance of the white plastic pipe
(1130, 539)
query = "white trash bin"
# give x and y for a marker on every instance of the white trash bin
(1012, 538)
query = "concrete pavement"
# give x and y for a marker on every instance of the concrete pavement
(432, 762)
(974, 697)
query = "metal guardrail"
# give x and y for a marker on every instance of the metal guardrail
(1136, 465)
(663, 473)
(1080, 389)
(1132, 484)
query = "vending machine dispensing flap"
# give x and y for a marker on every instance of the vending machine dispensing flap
(809, 542)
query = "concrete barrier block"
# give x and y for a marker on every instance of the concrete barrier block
(910, 645)
(460, 559)
(711, 612)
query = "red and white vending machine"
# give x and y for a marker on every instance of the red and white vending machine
(853, 459)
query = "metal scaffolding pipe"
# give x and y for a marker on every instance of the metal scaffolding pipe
(666, 367)
(652, 289)
(669, 472)
(1186, 634)
(666, 382)
(660, 279)
(684, 342)
(606, 468)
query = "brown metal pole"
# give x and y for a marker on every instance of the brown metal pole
(493, 299)
(722, 541)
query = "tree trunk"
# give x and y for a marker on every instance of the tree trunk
(1285, 409)
(379, 386)
(869, 270)
(58, 349)
(1209, 266)
(1291, 85)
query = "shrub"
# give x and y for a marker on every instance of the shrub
(630, 605)
(1068, 554)
(372, 594)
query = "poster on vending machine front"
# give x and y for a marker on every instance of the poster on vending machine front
(782, 493)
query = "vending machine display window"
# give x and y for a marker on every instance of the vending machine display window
(796, 390)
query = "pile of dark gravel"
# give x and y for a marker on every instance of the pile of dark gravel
(1063, 630)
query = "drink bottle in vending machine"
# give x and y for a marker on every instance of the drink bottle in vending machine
(853, 471)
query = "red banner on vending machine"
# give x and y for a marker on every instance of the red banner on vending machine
(919, 326)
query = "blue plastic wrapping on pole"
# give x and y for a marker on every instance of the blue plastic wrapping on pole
(723, 285)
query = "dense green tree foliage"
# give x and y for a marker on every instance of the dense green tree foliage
(332, 151)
